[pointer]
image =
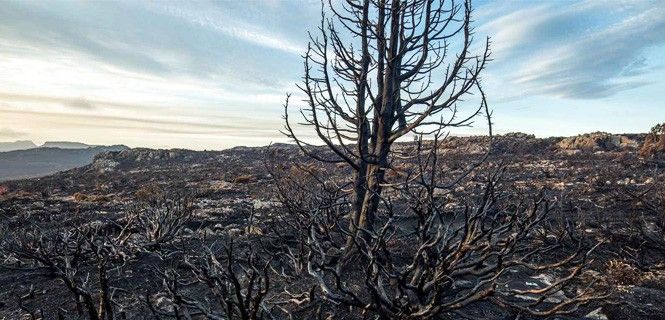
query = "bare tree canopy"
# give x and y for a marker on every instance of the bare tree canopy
(379, 70)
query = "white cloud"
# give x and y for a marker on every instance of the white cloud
(132, 71)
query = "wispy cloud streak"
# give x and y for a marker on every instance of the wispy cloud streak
(230, 26)
(588, 50)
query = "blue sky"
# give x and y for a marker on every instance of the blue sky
(210, 75)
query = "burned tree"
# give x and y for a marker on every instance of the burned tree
(379, 72)
(402, 78)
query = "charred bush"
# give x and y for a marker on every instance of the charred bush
(153, 223)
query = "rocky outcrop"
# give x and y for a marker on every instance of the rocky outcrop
(654, 143)
(598, 141)
(505, 144)
(146, 158)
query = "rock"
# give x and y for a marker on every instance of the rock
(234, 232)
(254, 230)
(534, 283)
(219, 228)
(596, 315)
(104, 165)
(163, 303)
(221, 185)
(260, 204)
(557, 297)
(570, 152)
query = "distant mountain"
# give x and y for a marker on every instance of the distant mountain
(37, 162)
(65, 145)
(17, 145)
(27, 144)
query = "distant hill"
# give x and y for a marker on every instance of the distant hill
(17, 145)
(37, 162)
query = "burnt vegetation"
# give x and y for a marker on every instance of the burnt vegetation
(385, 217)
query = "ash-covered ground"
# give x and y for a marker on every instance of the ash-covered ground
(598, 182)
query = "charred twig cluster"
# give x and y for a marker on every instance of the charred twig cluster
(429, 255)
(82, 259)
(236, 285)
(650, 216)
